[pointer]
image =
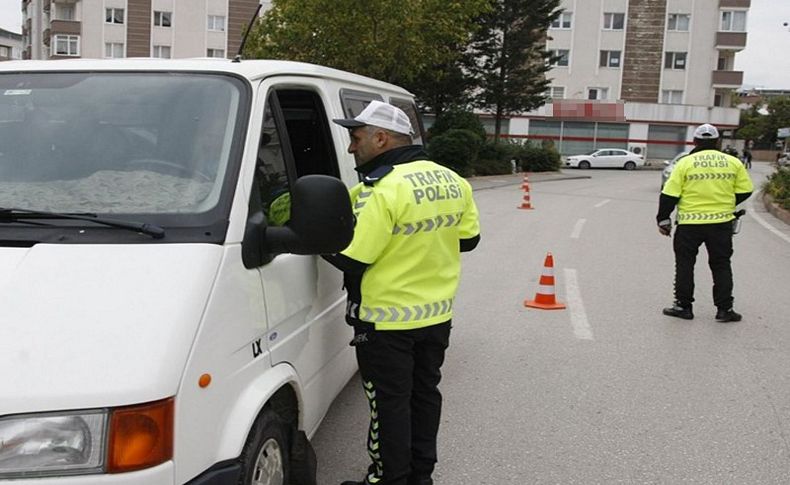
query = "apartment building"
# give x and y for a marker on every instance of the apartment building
(640, 74)
(54, 29)
(10, 45)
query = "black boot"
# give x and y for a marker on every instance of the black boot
(679, 311)
(728, 315)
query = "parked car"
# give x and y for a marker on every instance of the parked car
(783, 160)
(670, 165)
(606, 157)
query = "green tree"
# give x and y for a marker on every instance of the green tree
(752, 126)
(409, 42)
(511, 58)
(778, 116)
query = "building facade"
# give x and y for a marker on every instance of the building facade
(54, 29)
(639, 74)
(10, 45)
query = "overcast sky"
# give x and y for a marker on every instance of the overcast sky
(765, 61)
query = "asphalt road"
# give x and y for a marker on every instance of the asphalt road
(608, 390)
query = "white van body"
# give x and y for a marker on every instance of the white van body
(95, 319)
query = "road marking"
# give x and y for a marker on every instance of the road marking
(577, 229)
(581, 327)
(757, 217)
(602, 203)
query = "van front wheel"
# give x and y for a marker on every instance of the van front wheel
(264, 460)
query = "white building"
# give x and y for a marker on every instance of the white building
(54, 29)
(10, 45)
(654, 68)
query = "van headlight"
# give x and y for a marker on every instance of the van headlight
(53, 444)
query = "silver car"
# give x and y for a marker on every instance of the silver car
(670, 165)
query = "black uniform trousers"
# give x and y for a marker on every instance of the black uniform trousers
(400, 372)
(718, 241)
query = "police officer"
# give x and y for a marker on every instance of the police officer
(401, 271)
(705, 185)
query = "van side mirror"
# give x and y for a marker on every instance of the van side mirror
(321, 222)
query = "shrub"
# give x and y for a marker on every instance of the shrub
(539, 158)
(778, 186)
(494, 158)
(457, 120)
(456, 149)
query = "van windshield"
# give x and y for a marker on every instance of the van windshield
(116, 143)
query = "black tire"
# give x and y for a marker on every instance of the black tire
(265, 459)
(629, 165)
(584, 165)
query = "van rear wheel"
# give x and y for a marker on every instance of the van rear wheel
(264, 460)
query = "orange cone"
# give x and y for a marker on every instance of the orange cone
(525, 203)
(545, 298)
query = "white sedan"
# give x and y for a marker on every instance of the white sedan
(606, 157)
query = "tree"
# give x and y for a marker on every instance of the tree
(410, 42)
(778, 116)
(511, 59)
(762, 128)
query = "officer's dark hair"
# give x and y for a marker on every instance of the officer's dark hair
(707, 143)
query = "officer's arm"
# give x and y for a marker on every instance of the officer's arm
(741, 197)
(666, 204)
(469, 244)
(345, 264)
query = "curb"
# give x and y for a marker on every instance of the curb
(495, 181)
(776, 210)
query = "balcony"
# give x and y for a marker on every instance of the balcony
(735, 3)
(730, 41)
(71, 27)
(727, 79)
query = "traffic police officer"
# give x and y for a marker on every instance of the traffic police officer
(401, 271)
(706, 185)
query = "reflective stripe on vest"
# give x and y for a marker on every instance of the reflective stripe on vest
(427, 225)
(398, 314)
(721, 216)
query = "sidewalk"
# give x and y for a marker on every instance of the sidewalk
(494, 181)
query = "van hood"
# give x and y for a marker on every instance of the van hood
(85, 326)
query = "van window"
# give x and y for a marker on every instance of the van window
(354, 101)
(411, 111)
(295, 141)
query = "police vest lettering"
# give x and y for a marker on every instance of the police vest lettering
(433, 185)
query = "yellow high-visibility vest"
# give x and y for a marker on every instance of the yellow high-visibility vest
(706, 183)
(409, 224)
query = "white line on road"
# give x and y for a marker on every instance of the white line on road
(757, 217)
(602, 203)
(577, 229)
(581, 327)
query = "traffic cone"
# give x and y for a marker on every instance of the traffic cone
(545, 298)
(525, 202)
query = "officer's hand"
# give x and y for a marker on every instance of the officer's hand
(665, 227)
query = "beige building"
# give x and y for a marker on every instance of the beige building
(654, 68)
(10, 45)
(54, 29)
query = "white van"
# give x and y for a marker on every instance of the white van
(159, 324)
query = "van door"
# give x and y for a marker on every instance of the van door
(303, 295)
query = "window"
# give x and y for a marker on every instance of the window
(722, 64)
(610, 59)
(561, 57)
(555, 92)
(113, 15)
(215, 52)
(675, 60)
(563, 21)
(5, 52)
(678, 22)
(613, 21)
(163, 19)
(162, 51)
(671, 96)
(733, 21)
(597, 93)
(64, 11)
(216, 22)
(113, 49)
(67, 45)
(718, 100)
